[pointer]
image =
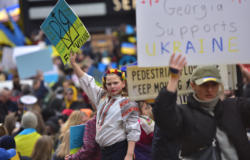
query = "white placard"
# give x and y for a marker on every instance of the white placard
(23, 50)
(207, 31)
(9, 83)
(7, 58)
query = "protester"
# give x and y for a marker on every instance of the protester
(76, 118)
(26, 139)
(117, 126)
(40, 128)
(71, 99)
(144, 146)
(39, 89)
(66, 84)
(246, 83)
(10, 123)
(163, 147)
(8, 144)
(17, 87)
(70, 96)
(55, 103)
(206, 127)
(7, 154)
(43, 149)
(28, 103)
(90, 150)
(6, 104)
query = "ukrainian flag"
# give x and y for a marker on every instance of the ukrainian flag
(128, 48)
(13, 10)
(16, 157)
(26, 140)
(3, 15)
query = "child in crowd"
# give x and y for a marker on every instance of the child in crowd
(144, 146)
(117, 125)
(76, 117)
(90, 150)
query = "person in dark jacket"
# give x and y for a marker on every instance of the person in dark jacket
(205, 118)
(164, 148)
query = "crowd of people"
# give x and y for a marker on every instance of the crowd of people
(35, 120)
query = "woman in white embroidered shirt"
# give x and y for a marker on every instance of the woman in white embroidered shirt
(117, 126)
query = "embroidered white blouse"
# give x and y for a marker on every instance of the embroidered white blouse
(117, 116)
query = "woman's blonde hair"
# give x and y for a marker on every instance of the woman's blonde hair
(43, 148)
(75, 118)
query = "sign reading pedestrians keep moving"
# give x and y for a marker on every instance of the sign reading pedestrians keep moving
(146, 82)
(65, 30)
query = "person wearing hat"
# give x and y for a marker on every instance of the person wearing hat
(7, 154)
(28, 101)
(8, 148)
(206, 124)
(26, 139)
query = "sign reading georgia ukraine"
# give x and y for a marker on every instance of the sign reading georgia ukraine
(206, 32)
(65, 30)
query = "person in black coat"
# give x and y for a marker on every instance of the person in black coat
(205, 120)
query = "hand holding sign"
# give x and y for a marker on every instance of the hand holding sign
(65, 30)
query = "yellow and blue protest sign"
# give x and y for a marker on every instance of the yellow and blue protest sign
(76, 137)
(65, 30)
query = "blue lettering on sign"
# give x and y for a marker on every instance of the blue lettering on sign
(61, 25)
(164, 47)
(220, 46)
(190, 46)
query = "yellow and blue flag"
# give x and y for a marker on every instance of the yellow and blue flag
(26, 140)
(128, 48)
(76, 138)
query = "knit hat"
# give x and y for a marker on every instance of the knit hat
(29, 120)
(7, 142)
(205, 74)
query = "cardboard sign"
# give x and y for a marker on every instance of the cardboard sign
(28, 64)
(65, 30)
(206, 32)
(22, 50)
(146, 82)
